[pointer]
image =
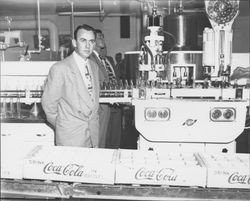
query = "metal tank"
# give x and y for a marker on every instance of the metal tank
(184, 64)
(181, 48)
(182, 44)
(184, 28)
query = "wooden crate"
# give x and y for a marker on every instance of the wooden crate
(228, 170)
(158, 168)
(72, 164)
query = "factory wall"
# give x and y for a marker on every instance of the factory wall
(111, 28)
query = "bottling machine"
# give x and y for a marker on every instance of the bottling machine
(175, 108)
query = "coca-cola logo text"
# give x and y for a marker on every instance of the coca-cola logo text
(165, 174)
(68, 170)
(238, 178)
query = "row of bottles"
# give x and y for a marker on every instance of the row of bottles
(117, 85)
(24, 94)
(11, 108)
(141, 83)
(129, 84)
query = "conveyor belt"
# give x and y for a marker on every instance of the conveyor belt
(34, 189)
(39, 189)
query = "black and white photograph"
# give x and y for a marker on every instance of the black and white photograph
(125, 100)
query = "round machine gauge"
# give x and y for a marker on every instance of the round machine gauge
(222, 11)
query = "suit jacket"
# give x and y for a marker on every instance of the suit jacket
(68, 105)
(110, 117)
(111, 61)
(104, 108)
(103, 75)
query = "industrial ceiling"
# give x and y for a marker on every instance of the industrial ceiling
(47, 7)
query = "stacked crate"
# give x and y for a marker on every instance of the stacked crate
(110, 166)
(72, 164)
(227, 170)
(160, 168)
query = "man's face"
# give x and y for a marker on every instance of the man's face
(118, 57)
(100, 46)
(84, 43)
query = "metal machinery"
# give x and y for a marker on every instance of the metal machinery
(217, 42)
(176, 110)
(22, 119)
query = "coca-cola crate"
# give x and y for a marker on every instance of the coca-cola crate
(228, 170)
(72, 164)
(159, 168)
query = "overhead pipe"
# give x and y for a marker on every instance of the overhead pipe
(72, 18)
(31, 25)
(95, 14)
(101, 13)
(144, 18)
(169, 7)
(39, 26)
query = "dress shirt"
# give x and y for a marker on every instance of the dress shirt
(83, 66)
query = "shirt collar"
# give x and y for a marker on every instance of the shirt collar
(79, 60)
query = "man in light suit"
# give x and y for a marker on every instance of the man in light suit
(71, 95)
(110, 116)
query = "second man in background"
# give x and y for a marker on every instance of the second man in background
(110, 116)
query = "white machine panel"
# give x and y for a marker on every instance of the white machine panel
(29, 75)
(203, 121)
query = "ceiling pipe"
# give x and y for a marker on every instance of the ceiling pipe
(144, 17)
(169, 7)
(101, 13)
(39, 27)
(72, 19)
(143, 22)
(31, 25)
(95, 14)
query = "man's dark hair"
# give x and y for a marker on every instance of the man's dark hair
(85, 27)
(98, 31)
(118, 54)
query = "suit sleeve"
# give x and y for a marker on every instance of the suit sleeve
(52, 93)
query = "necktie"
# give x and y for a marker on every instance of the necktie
(88, 80)
(109, 70)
